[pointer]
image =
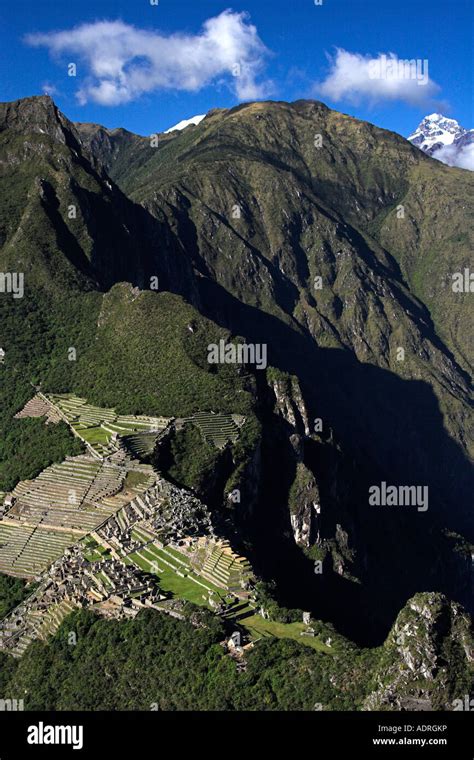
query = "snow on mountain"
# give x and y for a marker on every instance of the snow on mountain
(186, 122)
(446, 140)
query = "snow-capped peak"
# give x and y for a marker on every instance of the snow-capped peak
(434, 131)
(186, 122)
(446, 140)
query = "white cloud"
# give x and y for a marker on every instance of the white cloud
(355, 77)
(454, 156)
(49, 89)
(123, 62)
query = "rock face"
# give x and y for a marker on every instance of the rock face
(428, 658)
(37, 115)
(290, 403)
(304, 498)
(305, 506)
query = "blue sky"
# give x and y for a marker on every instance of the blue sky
(130, 74)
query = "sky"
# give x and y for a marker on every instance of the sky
(145, 66)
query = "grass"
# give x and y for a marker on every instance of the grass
(134, 479)
(94, 551)
(259, 627)
(95, 435)
(178, 555)
(180, 587)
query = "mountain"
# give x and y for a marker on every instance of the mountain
(331, 212)
(446, 140)
(435, 131)
(424, 665)
(287, 225)
(186, 122)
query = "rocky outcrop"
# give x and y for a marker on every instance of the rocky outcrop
(38, 116)
(289, 403)
(427, 661)
(305, 507)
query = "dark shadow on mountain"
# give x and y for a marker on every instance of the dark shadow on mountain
(66, 241)
(391, 430)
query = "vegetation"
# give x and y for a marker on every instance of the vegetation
(12, 592)
(187, 459)
(266, 599)
(156, 660)
(303, 488)
(29, 446)
(38, 353)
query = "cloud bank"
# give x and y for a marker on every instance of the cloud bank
(355, 78)
(463, 157)
(123, 62)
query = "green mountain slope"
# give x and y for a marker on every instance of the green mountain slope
(278, 223)
(143, 661)
(71, 234)
(265, 199)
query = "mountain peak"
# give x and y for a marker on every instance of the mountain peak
(443, 138)
(436, 128)
(195, 120)
(437, 117)
(37, 114)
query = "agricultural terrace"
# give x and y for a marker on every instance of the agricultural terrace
(205, 572)
(216, 429)
(100, 428)
(65, 502)
(41, 625)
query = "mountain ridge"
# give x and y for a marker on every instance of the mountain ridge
(241, 214)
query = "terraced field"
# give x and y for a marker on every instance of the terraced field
(225, 568)
(100, 427)
(140, 445)
(69, 501)
(26, 551)
(174, 572)
(206, 576)
(64, 503)
(39, 406)
(42, 625)
(216, 429)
